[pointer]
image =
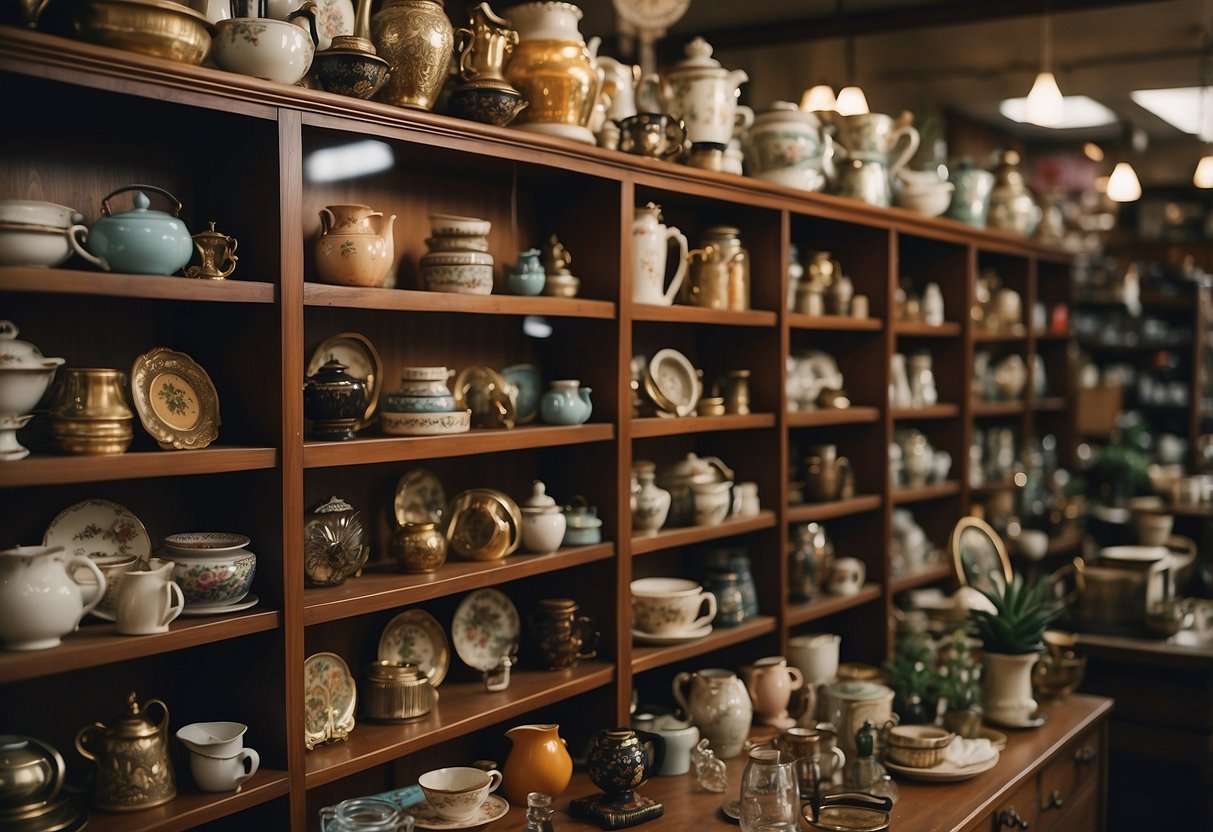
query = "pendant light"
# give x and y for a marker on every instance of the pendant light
(851, 100)
(1044, 105)
(1203, 177)
(818, 99)
(1123, 185)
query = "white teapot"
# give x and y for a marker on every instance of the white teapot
(704, 95)
(41, 600)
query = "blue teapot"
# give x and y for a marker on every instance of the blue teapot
(140, 241)
(566, 403)
(526, 277)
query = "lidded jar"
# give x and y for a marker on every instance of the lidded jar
(333, 401)
(335, 543)
(397, 691)
(543, 523)
(786, 145)
(418, 42)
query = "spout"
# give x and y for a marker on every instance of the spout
(738, 77)
(307, 11)
(592, 45)
(385, 231)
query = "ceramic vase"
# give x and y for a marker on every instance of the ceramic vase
(349, 251)
(650, 505)
(418, 42)
(770, 683)
(1007, 685)
(716, 701)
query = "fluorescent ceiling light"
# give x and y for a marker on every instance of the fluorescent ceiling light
(1123, 185)
(1078, 111)
(347, 161)
(1181, 107)
(1044, 105)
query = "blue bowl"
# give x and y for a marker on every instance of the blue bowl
(403, 403)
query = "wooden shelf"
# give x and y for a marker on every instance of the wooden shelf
(464, 707)
(679, 314)
(1052, 337)
(99, 643)
(935, 411)
(900, 496)
(918, 329)
(834, 323)
(36, 469)
(999, 337)
(992, 487)
(921, 577)
(365, 451)
(384, 590)
(826, 605)
(190, 809)
(646, 657)
(854, 415)
(1050, 403)
(675, 537)
(148, 287)
(411, 300)
(981, 409)
(808, 512)
(660, 426)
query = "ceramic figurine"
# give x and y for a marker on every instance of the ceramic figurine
(566, 403)
(710, 772)
(526, 277)
(560, 281)
(417, 40)
(349, 251)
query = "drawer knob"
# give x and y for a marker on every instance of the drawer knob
(1054, 801)
(1010, 819)
(1085, 755)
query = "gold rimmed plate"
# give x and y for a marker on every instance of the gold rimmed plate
(673, 383)
(361, 359)
(417, 638)
(175, 399)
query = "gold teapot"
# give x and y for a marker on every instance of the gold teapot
(217, 252)
(133, 766)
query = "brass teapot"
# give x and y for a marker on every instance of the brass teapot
(133, 766)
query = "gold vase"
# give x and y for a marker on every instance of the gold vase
(417, 40)
(89, 412)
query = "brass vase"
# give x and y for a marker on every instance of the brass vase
(89, 412)
(417, 40)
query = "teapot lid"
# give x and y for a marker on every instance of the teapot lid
(334, 505)
(698, 55)
(16, 354)
(539, 498)
(334, 371)
(142, 210)
(134, 722)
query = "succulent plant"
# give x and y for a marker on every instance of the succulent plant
(1022, 611)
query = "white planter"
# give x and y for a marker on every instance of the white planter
(1007, 683)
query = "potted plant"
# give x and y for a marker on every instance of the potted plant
(912, 676)
(1011, 638)
(960, 685)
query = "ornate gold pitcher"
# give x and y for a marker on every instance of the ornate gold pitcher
(417, 40)
(484, 47)
(217, 252)
(133, 766)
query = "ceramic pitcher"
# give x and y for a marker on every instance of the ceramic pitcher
(704, 95)
(149, 600)
(349, 251)
(41, 600)
(716, 701)
(770, 683)
(650, 242)
(538, 762)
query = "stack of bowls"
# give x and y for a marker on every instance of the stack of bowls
(924, 192)
(458, 259)
(918, 746)
(36, 233)
(423, 406)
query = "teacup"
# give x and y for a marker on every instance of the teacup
(847, 576)
(670, 605)
(656, 135)
(456, 793)
(224, 774)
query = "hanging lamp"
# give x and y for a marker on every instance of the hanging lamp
(1044, 105)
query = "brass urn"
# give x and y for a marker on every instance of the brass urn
(89, 412)
(133, 766)
(418, 42)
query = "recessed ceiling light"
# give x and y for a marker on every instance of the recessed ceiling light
(1079, 111)
(1180, 107)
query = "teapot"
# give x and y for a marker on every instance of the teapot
(681, 478)
(650, 240)
(620, 759)
(619, 85)
(704, 95)
(41, 599)
(788, 146)
(139, 241)
(349, 251)
(133, 766)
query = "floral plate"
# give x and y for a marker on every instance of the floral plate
(424, 816)
(416, 637)
(485, 628)
(673, 383)
(329, 698)
(420, 498)
(98, 529)
(175, 399)
(362, 361)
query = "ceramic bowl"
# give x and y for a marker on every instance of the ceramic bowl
(918, 746)
(406, 403)
(21, 388)
(449, 225)
(212, 568)
(426, 424)
(488, 105)
(160, 28)
(464, 279)
(263, 48)
(349, 72)
(42, 246)
(456, 243)
(930, 202)
(34, 212)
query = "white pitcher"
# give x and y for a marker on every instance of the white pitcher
(719, 704)
(40, 599)
(650, 242)
(149, 600)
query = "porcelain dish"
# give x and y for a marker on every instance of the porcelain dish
(672, 382)
(416, 637)
(425, 817)
(485, 628)
(175, 399)
(641, 637)
(426, 424)
(945, 772)
(329, 699)
(199, 610)
(361, 360)
(99, 529)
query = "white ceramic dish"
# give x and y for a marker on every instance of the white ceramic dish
(945, 772)
(426, 424)
(35, 212)
(263, 48)
(424, 817)
(671, 638)
(99, 529)
(450, 225)
(485, 627)
(361, 360)
(416, 637)
(198, 610)
(38, 246)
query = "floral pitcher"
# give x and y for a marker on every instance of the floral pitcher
(349, 251)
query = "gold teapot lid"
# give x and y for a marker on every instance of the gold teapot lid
(352, 43)
(211, 233)
(133, 723)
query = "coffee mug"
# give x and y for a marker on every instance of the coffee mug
(847, 576)
(456, 793)
(223, 774)
(816, 654)
(670, 605)
(656, 135)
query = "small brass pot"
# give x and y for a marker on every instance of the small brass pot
(396, 692)
(89, 412)
(418, 547)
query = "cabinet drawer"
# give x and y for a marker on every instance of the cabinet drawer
(1017, 809)
(1073, 772)
(1082, 815)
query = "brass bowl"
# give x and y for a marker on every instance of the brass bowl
(160, 28)
(1055, 679)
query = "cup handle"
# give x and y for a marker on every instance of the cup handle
(327, 814)
(76, 235)
(797, 678)
(743, 119)
(909, 136)
(78, 560)
(707, 619)
(494, 780)
(251, 761)
(673, 233)
(676, 135)
(841, 760)
(174, 603)
(681, 679)
(228, 265)
(589, 637)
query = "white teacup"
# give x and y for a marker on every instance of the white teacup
(816, 655)
(847, 576)
(224, 774)
(670, 605)
(456, 793)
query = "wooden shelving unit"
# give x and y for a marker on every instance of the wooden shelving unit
(254, 333)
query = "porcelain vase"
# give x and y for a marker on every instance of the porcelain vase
(1007, 685)
(716, 701)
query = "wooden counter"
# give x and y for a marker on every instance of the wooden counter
(1052, 757)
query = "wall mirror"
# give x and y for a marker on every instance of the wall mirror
(979, 556)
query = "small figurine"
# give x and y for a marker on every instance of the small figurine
(499, 677)
(560, 281)
(710, 772)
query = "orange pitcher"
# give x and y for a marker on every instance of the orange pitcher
(538, 762)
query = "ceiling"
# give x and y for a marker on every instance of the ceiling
(961, 56)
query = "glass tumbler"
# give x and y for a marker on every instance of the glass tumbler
(770, 795)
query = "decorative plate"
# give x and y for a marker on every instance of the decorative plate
(329, 698)
(416, 637)
(488, 395)
(424, 816)
(671, 638)
(528, 389)
(673, 378)
(175, 399)
(945, 772)
(361, 359)
(248, 601)
(420, 498)
(485, 628)
(98, 529)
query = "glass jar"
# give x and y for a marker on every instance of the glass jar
(365, 814)
(538, 812)
(770, 794)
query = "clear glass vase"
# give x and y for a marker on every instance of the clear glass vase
(770, 794)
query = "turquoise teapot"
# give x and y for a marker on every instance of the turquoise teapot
(140, 241)
(566, 403)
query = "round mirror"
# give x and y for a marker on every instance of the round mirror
(979, 556)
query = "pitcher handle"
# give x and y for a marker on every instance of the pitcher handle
(743, 119)
(589, 637)
(163, 724)
(672, 233)
(174, 603)
(82, 737)
(229, 257)
(251, 760)
(80, 560)
(796, 677)
(681, 680)
(326, 220)
(76, 236)
(710, 616)
(463, 40)
(911, 138)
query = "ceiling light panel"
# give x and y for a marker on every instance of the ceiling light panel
(1181, 107)
(1078, 111)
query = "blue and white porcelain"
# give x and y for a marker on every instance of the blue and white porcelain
(526, 277)
(566, 403)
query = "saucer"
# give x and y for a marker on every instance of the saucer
(1037, 720)
(732, 810)
(671, 638)
(945, 772)
(424, 817)
(244, 603)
